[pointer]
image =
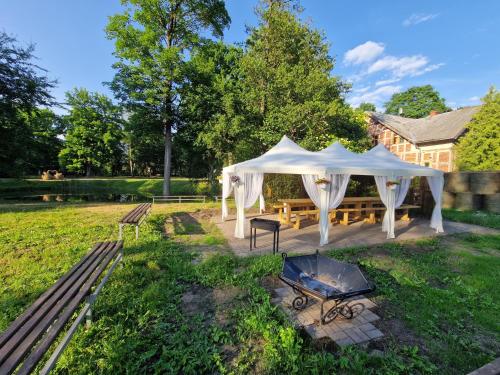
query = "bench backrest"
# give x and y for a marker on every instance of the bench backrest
(134, 216)
(53, 309)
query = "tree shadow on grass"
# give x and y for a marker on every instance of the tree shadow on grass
(185, 223)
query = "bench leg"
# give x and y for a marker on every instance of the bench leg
(345, 219)
(120, 231)
(297, 222)
(88, 317)
(406, 216)
(136, 232)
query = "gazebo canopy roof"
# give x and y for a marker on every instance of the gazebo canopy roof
(289, 158)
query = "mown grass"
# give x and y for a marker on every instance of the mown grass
(443, 292)
(483, 218)
(143, 186)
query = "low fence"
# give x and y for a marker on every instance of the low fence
(179, 198)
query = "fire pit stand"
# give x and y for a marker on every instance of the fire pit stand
(326, 280)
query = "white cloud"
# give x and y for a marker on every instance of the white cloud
(362, 89)
(377, 96)
(364, 53)
(417, 18)
(474, 99)
(387, 81)
(403, 66)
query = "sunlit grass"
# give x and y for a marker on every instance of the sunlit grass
(444, 291)
(484, 218)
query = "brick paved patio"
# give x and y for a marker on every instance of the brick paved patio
(342, 331)
(306, 240)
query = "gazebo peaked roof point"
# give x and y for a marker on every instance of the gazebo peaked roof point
(325, 175)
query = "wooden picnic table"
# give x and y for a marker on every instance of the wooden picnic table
(358, 203)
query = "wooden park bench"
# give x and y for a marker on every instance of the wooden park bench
(27, 340)
(405, 208)
(347, 212)
(134, 217)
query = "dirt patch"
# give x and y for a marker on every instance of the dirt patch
(198, 300)
(270, 283)
(397, 330)
(210, 304)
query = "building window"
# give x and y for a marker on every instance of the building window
(427, 164)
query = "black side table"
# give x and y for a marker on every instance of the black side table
(270, 225)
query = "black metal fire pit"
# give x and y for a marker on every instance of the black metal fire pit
(326, 280)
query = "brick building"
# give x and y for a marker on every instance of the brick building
(427, 141)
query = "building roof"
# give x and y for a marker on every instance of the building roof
(445, 126)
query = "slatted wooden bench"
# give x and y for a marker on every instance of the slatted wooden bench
(404, 217)
(26, 341)
(134, 217)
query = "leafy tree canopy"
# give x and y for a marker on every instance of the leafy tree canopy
(24, 87)
(151, 38)
(479, 148)
(367, 107)
(416, 102)
(288, 86)
(211, 104)
(93, 134)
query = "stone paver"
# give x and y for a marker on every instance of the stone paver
(342, 331)
(306, 240)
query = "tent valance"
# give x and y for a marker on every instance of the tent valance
(289, 158)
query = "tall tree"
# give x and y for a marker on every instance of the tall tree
(210, 105)
(367, 107)
(93, 137)
(288, 84)
(24, 87)
(479, 148)
(45, 143)
(144, 144)
(152, 37)
(416, 102)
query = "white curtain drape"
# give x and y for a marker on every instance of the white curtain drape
(246, 193)
(227, 189)
(262, 203)
(326, 197)
(436, 185)
(337, 187)
(392, 199)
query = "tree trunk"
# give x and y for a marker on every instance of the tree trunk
(130, 161)
(167, 158)
(89, 170)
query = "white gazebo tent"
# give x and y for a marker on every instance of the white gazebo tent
(334, 164)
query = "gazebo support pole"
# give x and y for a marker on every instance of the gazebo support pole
(324, 223)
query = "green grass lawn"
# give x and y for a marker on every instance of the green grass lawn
(118, 185)
(484, 218)
(183, 303)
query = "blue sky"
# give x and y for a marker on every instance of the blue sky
(381, 47)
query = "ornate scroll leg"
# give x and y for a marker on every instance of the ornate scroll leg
(300, 302)
(346, 311)
(331, 314)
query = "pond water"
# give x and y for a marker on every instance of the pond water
(78, 198)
